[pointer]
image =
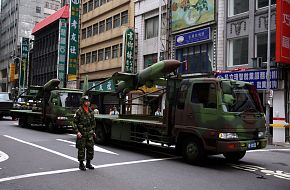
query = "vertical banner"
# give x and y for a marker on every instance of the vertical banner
(128, 50)
(61, 51)
(73, 45)
(23, 62)
(283, 31)
(12, 72)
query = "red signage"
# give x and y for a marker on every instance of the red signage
(283, 31)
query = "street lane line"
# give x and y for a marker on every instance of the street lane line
(43, 148)
(96, 148)
(269, 150)
(3, 157)
(77, 169)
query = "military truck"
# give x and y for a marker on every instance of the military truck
(202, 116)
(6, 104)
(48, 106)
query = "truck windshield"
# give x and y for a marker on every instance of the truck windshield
(245, 98)
(4, 96)
(70, 99)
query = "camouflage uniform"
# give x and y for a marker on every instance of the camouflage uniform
(85, 124)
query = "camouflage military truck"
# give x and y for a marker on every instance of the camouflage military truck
(202, 116)
(6, 104)
(48, 106)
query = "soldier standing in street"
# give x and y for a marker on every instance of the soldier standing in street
(84, 126)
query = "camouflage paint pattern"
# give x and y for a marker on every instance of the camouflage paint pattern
(85, 124)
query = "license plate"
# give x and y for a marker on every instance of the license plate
(252, 145)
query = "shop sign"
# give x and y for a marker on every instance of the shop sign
(12, 72)
(24, 61)
(193, 37)
(128, 50)
(61, 51)
(73, 45)
(104, 86)
(283, 31)
(258, 78)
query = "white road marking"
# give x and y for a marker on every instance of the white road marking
(72, 135)
(269, 150)
(43, 148)
(96, 148)
(76, 169)
(3, 157)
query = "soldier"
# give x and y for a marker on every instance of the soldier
(84, 126)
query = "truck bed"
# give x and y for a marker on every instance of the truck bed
(30, 112)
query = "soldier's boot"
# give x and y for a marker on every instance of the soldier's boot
(82, 166)
(89, 165)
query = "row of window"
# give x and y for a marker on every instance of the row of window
(238, 49)
(92, 4)
(105, 25)
(102, 54)
(51, 6)
(241, 6)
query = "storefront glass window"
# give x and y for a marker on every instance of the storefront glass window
(261, 48)
(238, 51)
(150, 60)
(196, 59)
(237, 7)
(151, 27)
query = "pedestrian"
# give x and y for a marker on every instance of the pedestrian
(84, 126)
(114, 111)
(158, 112)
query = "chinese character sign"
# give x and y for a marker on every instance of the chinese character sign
(258, 78)
(24, 61)
(73, 39)
(61, 51)
(128, 54)
(12, 72)
(283, 31)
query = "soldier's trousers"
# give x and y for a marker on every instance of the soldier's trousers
(85, 146)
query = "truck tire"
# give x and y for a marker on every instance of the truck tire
(101, 137)
(193, 151)
(234, 156)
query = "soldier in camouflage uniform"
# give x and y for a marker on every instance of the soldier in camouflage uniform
(84, 126)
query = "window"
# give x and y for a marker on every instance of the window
(94, 56)
(238, 51)
(109, 24)
(38, 9)
(124, 17)
(85, 8)
(95, 29)
(181, 96)
(205, 94)
(100, 54)
(264, 3)
(91, 5)
(102, 2)
(46, 5)
(238, 6)
(108, 53)
(116, 20)
(151, 27)
(83, 59)
(150, 60)
(115, 51)
(89, 31)
(88, 58)
(261, 48)
(102, 26)
(84, 33)
(96, 3)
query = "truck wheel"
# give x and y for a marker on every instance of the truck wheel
(51, 127)
(234, 156)
(193, 151)
(101, 137)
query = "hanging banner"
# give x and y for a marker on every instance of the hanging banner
(23, 62)
(283, 31)
(128, 50)
(12, 72)
(73, 45)
(61, 51)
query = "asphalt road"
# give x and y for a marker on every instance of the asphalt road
(32, 159)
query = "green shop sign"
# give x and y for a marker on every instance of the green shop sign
(61, 51)
(73, 39)
(128, 56)
(24, 62)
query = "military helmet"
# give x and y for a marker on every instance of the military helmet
(84, 98)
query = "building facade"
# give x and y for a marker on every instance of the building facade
(18, 17)
(101, 36)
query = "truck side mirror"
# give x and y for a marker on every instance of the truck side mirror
(228, 99)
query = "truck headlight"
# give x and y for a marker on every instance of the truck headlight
(261, 134)
(228, 136)
(62, 118)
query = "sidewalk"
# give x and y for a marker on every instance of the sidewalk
(281, 144)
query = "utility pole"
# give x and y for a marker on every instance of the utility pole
(269, 136)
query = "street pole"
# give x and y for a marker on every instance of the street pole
(269, 136)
